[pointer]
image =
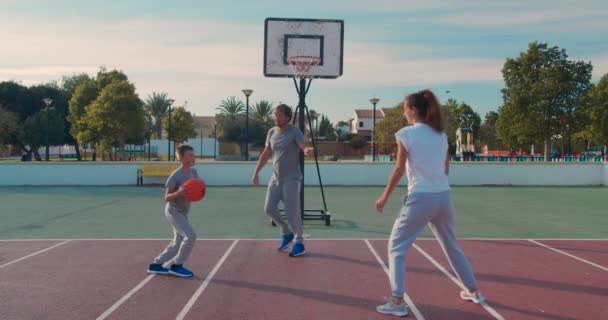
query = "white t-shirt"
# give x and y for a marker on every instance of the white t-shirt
(425, 165)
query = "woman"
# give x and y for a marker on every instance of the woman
(423, 154)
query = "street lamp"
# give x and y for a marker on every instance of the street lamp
(149, 135)
(214, 141)
(374, 101)
(48, 102)
(247, 93)
(169, 102)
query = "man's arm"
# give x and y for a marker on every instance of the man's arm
(264, 156)
(306, 149)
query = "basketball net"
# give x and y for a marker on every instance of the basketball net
(302, 65)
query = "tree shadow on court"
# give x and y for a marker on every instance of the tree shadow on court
(42, 223)
(316, 255)
(538, 314)
(526, 282)
(347, 225)
(436, 312)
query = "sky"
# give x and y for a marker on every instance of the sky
(205, 51)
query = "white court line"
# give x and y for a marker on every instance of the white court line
(307, 239)
(569, 255)
(33, 254)
(457, 282)
(125, 297)
(407, 298)
(205, 283)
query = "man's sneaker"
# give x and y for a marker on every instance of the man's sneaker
(180, 271)
(391, 308)
(287, 239)
(157, 268)
(297, 250)
(476, 296)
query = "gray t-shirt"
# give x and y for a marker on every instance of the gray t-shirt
(285, 152)
(175, 180)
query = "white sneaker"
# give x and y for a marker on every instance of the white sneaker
(476, 296)
(391, 308)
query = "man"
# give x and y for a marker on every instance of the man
(283, 144)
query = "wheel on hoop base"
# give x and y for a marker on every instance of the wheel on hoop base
(327, 220)
(272, 223)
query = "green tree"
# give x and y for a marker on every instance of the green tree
(182, 125)
(262, 111)
(543, 90)
(35, 129)
(392, 122)
(68, 87)
(357, 142)
(8, 125)
(231, 108)
(116, 117)
(326, 129)
(105, 77)
(85, 92)
(70, 83)
(487, 132)
(450, 117)
(596, 109)
(156, 106)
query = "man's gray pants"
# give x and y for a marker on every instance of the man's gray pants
(183, 241)
(419, 209)
(287, 191)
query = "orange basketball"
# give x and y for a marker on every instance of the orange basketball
(195, 189)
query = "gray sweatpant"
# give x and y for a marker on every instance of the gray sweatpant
(289, 192)
(183, 241)
(418, 210)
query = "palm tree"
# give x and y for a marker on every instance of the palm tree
(262, 111)
(156, 105)
(231, 108)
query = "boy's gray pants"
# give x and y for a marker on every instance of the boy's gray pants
(183, 241)
(419, 209)
(287, 191)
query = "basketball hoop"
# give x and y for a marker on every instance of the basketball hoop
(301, 65)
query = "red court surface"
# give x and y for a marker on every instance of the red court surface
(336, 279)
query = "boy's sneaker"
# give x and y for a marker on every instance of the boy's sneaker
(476, 296)
(391, 308)
(287, 239)
(157, 268)
(297, 250)
(180, 271)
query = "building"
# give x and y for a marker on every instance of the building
(362, 123)
(206, 124)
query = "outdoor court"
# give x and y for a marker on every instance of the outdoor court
(82, 252)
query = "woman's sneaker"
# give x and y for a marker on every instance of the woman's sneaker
(476, 296)
(157, 268)
(391, 308)
(180, 271)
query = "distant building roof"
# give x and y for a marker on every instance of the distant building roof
(369, 113)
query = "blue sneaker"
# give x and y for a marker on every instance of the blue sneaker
(180, 271)
(297, 250)
(157, 268)
(287, 239)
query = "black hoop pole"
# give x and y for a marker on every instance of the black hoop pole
(301, 115)
(314, 146)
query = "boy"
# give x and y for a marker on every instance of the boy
(176, 211)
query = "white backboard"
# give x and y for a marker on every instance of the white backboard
(285, 38)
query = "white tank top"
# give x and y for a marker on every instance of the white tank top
(427, 150)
